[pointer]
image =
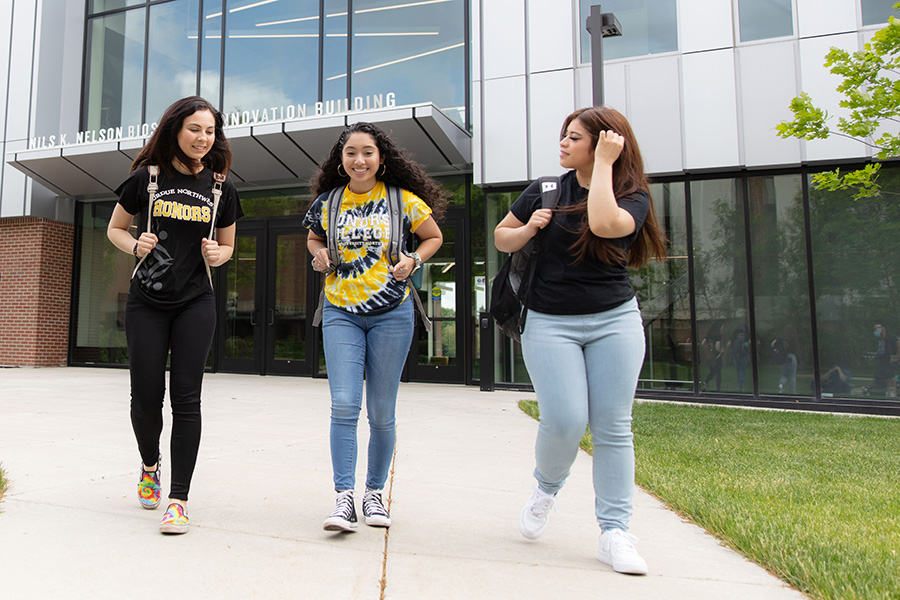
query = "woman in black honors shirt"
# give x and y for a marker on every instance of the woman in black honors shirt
(171, 306)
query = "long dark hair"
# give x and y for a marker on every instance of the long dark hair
(162, 147)
(399, 169)
(628, 178)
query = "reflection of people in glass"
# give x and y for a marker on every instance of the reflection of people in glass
(887, 354)
(784, 354)
(171, 307)
(740, 354)
(838, 380)
(368, 317)
(712, 352)
(583, 342)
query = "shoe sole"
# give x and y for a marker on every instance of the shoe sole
(638, 570)
(173, 529)
(377, 521)
(339, 525)
(149, 506)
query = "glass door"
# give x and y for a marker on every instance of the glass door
(263, 324)
(440, 284)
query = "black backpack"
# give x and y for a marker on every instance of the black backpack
(509, 288)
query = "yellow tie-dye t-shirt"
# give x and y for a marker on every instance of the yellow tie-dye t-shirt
(362, 284)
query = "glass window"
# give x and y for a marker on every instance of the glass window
(781, 285)
(648, 27)
(271, 55)
(101, 288)
(415, 50)
(274, 203)
(98, 6)
(334, 49)
(509, 366)
(856, 259)
(875, 12)
(211, 51)
(720, 286)
(172, 57)
(765, 19)
(664, 296)
(113, 94)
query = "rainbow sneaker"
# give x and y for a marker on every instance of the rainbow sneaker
(148, 488)
(175, 520)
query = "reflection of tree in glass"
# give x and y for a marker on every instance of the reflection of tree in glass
(720, 268)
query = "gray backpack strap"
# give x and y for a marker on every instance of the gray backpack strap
(152, 188)
(395, 246)
(333, 209)
(219, 179)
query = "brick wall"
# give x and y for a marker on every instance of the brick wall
(35, 289)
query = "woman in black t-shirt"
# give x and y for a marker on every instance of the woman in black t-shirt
(583, 341)
(171, 305)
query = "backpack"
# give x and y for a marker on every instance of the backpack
(153, 187)
(509, 288)
(395, 242)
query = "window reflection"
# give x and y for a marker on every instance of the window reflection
(856, 259)
(172, 60)
(334, 48)
(780, 285)
(720, 286)
(664, 297)
(271, 54)
(115, 70)
(875, 12)
(649, 27)
(211, 51)
(762, 20)
(414, 49)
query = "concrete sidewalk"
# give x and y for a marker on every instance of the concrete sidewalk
(71, 525)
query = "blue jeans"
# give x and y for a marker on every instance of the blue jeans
(377, 346)
(585, 370)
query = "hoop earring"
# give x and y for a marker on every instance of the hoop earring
(383, 170)
(339, 172)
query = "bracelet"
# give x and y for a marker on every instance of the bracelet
(134, 250)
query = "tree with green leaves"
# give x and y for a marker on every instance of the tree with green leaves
(870, 85)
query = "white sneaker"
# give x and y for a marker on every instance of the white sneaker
(617, 549)
(535, 514)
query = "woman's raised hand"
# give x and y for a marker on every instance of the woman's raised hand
(609, 146)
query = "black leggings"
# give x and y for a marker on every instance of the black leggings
(150, 333)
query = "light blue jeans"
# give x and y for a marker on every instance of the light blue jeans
(585, 370)
(377, 346)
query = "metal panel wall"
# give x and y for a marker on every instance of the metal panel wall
(705, 25)
(654, 111)
(551, 97)
(502, 38)
(551, 37)
(768, 82)
(710, 111)
(815, 17)
(504, 126)
(821, 85)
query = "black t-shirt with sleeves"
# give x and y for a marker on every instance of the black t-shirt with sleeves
(174, 272)
(560, 285)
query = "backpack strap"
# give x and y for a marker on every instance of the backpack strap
(218, 180)
(395, 244)
(152, 188)
(549, 199)
(333, 209)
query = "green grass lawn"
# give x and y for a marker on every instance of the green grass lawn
(814, 498)
(4, 483)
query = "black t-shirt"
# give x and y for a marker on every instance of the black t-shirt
(174, 272)
(560, 285)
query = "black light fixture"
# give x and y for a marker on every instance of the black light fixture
(607, 25)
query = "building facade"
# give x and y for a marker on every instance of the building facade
(772, 287)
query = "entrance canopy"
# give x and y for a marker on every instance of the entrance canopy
(264, 154)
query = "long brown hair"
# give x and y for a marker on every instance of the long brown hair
(162, 147)
(628, 178)
(399, 169)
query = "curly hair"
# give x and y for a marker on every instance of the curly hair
(628, 178)
(399, 169)
(162, 147)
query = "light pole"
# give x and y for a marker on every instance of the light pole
(600, 25)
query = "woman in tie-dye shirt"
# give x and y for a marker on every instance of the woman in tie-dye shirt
(368, 317)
